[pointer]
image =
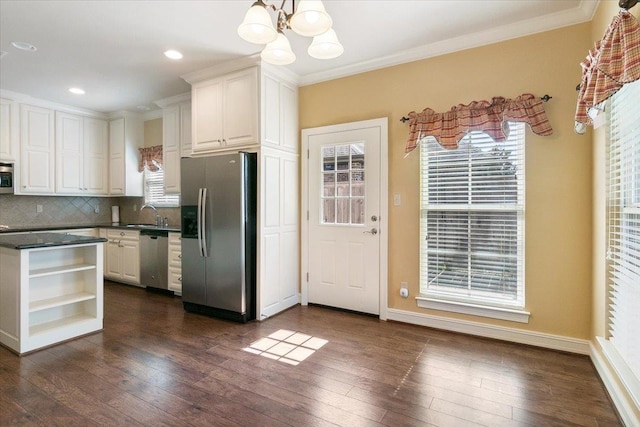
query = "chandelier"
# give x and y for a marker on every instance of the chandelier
(310, 19)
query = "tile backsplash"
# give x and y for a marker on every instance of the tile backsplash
(22, 211)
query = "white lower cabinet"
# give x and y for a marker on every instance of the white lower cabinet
(50, 295)
(175, 263)
(122, 259)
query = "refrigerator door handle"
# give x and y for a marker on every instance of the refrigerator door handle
(203, 223)
(199, 227)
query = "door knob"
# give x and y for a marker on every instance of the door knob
(373, 231)
(374, 218)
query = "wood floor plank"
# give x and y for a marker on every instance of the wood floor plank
(320, 409)
(262, 404)
(154, 364)
(337, 400)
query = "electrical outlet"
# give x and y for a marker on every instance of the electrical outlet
(38, 208)
(135, 207)
(397, 201)
(404, 289)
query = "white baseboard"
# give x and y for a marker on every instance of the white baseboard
(612, 384)
(539, 339)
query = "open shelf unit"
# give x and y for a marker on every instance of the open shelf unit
(52, 294)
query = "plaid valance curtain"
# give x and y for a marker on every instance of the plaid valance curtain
(150, 158)
(490, 117)
(613, 62)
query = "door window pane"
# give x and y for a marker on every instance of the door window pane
(329, 187)
(328, 158)
(329, 211)
(357, 211)
(342, 211)
(343, 184)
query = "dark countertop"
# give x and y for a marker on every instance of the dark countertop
(77, 226)
(41, 240)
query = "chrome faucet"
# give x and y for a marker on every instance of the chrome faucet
(158, 218)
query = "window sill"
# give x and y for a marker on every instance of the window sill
(513, 315)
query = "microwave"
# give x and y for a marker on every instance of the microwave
(6, 178)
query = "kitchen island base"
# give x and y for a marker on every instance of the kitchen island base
(50, 294)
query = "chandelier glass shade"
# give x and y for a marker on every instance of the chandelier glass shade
(309, 19)
(325, 46)
(256, 26)
(278, 52)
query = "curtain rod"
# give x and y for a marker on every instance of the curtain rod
(627, 4)
(544, 98)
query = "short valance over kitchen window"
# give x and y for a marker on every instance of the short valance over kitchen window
(612, 63)
(150, 158)
(490, 117)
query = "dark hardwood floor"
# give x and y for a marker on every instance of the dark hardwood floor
(156, 365)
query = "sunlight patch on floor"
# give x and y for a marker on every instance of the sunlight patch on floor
(286, 346)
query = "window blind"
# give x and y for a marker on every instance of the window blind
(623, 252)
(472, 219)
(154, 190)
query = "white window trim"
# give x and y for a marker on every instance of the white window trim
(510, 314)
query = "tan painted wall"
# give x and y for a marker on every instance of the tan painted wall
(558, 182)
(153, 132)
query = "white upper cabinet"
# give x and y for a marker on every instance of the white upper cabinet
(81, 155)
(96, 156)
(9, 130)
(125, 137)
(176, 138)
(185, 128)
(171, 148)
(69, 154)
(280, 113)
(225, 111)
(37, 148)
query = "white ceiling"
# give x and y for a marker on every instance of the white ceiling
(114, 49)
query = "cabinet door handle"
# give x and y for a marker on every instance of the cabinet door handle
(180, 256)
(179, 279)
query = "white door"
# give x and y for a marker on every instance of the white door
(346, 194)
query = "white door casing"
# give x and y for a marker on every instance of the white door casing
(344, 263)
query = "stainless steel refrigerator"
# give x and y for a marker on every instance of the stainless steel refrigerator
(218, 200)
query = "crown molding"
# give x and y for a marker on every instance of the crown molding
(222, 68)
(152, 115)
(165, 102)
(582, 13)
(23, 98)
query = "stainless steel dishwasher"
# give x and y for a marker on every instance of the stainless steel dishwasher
(154, 258)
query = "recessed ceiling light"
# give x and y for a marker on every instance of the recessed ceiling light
(76, 90)
(24, 46)
(143, 108)
(173, 54)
